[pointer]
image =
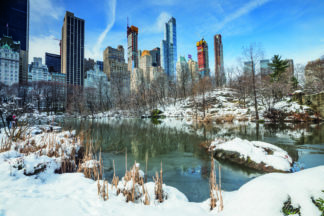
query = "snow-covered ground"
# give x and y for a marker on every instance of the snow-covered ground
(256, 151)
(47, 193)
(223, 103)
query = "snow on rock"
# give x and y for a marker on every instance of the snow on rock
(266, 194)
(266, 157)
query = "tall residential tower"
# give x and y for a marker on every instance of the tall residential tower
(219, 62)
(169, 48)
(132, 47)
(72, 58)
(203, 61)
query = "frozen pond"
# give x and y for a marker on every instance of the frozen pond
(185, 164)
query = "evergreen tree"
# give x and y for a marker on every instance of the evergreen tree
(278, 67)
(294, 82)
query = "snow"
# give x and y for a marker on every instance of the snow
(47, 193)
(255, 150)
(266, 194)
(72, 194)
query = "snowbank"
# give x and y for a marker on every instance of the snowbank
(47, 193)
(265, 155)
(72, 194)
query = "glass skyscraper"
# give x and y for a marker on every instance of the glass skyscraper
(53, 62)
(169, 48)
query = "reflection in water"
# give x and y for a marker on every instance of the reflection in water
(185, 164)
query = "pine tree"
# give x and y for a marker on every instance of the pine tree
(278, 67)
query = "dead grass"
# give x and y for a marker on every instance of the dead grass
(5, 145)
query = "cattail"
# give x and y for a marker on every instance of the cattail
(220, 191)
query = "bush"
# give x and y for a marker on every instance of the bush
(156, 113)
(275, 115)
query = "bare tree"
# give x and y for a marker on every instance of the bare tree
(253, 54)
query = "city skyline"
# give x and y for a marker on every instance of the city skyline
(281, 28)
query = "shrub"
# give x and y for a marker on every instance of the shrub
(275, 115)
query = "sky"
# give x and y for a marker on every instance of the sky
(293, 29)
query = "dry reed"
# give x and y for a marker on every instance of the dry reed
(215, 189)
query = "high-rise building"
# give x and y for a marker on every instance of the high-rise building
(88, 64)
(14, 21)
(100, 64)
(156, 57)
(114, 62)
(9, 60)
(38, 71)
(290, 69)
(72, 46)
(53, 62)
(265, 69)
(183, 73)
(143, 76)
(132, 47)
(193, 69)
(247, 69)
(219, 61)
(96, 78)
(203, 61)
(169, 48)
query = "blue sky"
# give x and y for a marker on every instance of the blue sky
(291, 28)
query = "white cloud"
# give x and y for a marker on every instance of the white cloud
(158, 25)
(40, 9)
(40, 45)
(247, 8)
(96, 51)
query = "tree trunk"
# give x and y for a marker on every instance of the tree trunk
(254, 92)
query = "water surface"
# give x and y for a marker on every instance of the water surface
(185, 164)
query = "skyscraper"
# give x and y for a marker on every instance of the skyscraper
(219, 62)
(193, 69)
(169, 48)
(14, 22)
(72, 45)
(132, 47)
(53, 62)
(265, 70)
(203, 61)
(183, 73)
(114, 62)
(156, 57)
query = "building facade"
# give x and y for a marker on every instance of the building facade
(14, 21)
(114, 61)
(290, 71)
(53, 62)
(193, 69)
(132, 47)
(156, 56)
(96, 78)
(183, 73)
(265, 69)
(73, 49)
(143, 76)
(100, 64)
(219, 61)
(37, 71)
(169, 48)
(9, 60)
(247, 68)
(203, 61)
